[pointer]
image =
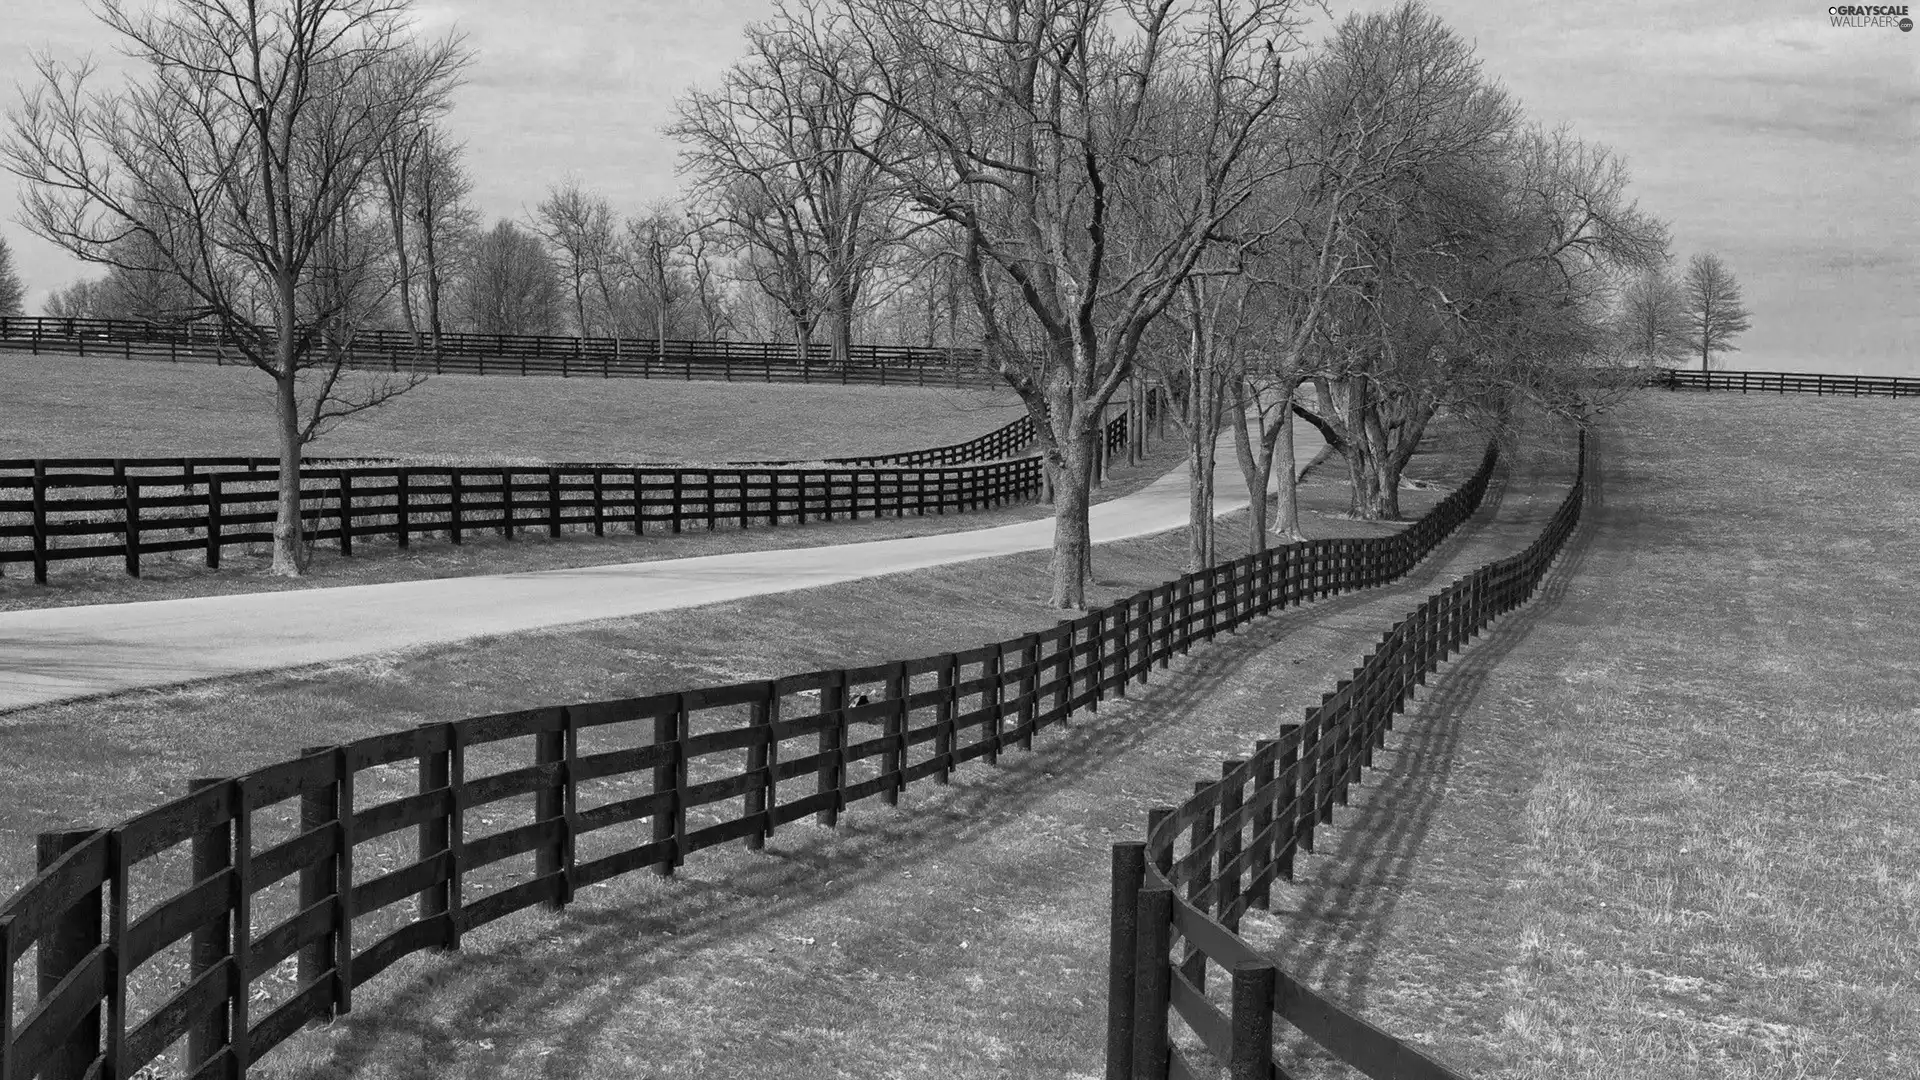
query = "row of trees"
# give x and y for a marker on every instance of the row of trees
(1360, 232)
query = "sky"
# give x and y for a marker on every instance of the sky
(1760, 131)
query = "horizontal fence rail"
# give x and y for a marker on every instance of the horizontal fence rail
(1178, 898)
(223, 921)
(52, 510)
(1788, 382)
(519, 354)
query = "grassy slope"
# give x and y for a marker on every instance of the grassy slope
(1663, 823)
(66, 406)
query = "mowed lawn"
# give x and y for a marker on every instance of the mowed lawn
(1664, 822)
(67, 406)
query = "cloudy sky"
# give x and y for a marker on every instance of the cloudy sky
(1761, 131)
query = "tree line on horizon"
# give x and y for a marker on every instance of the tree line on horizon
(1361, 230)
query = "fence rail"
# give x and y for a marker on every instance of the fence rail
(1784, 382)
(59, 509)
(509, 354)
(1206, 862)
(249, 906)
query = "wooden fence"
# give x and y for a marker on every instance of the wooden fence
(1207, 861)
(497, 354)
(223, 921)
(90, 508)
(1783, 382)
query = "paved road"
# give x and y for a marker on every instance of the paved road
(62, 653)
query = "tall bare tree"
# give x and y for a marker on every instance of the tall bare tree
(443, 222)
(1714, 313)
(654, 254)
(577, 225)
(1084, 152)
(771, 152)
(249, 133)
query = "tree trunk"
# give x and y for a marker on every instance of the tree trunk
(1255, 467)
(289, 541)
(840, 324)
(1072, 540)
(429, 255)
(1282, 461)
(397, 216)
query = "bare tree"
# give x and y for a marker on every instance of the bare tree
(13, 291)
(1083, 152)
(443, 222)
(83, 299)
(1653, 320)
(1714, 313)
(771, 151)
(248, 135)
(655, 254)
(577, 225)
(511, 286)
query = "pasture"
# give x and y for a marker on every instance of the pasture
(69, 406)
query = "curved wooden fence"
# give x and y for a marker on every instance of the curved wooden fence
(59, 509)
(520, 354)
(223, 921)
(1210, 859)
(1788, 382)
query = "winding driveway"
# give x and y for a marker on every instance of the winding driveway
(56, 654)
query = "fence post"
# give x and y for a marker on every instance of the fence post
(506, 504)
(833, 742)
(1129, 873)
(319, 809)
(401, 507)
(68, 940)
(133, 525)
(1227, 882)
(213, 521)
(553, 503)
(943, 734)
(346, 512)
(444, 768)
(670, 777)
(893, 760)
(761, 755)
(212, 941)
(553, 801)
(453, 505)
(1252, 1021)
(39, 519)
(1194, 965)
(1153, 981)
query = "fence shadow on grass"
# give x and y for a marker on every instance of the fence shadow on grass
(654, 935)
(1352, 891)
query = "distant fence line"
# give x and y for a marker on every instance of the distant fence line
(53, 510)
(525, 354)
(166, 928)
(1785, 382)
(1206, 862)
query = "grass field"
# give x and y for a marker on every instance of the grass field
(1664, 823)
(66, 406)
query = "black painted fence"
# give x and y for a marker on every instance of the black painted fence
(62, 509)
(1789, 382)
(1178, 898)
(221, 922)
(509, 354)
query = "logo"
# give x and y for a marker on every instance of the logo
(1890, 16)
